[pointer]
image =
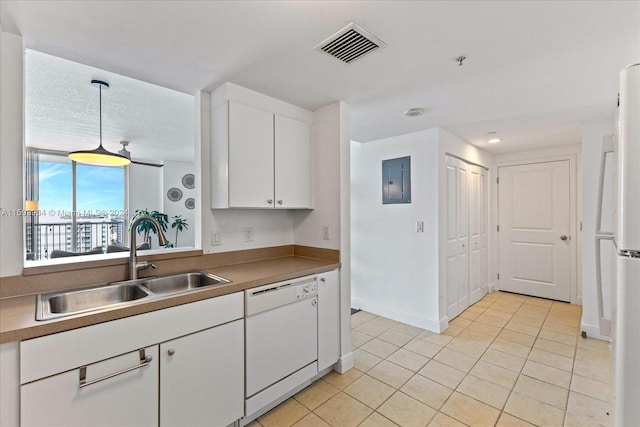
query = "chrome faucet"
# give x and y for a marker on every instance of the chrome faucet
(134, 265)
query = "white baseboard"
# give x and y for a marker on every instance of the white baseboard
(399, 316)
(346, 362)
(444, 324)
(491, 287)
(593, 332)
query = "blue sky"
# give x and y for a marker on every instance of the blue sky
(99, 188)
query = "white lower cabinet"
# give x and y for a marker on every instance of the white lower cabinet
(202, 377)
(181, 366)
(328, 319)
(121, 391)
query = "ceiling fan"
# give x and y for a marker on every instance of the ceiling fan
(126, 153)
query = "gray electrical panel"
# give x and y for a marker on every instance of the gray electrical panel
(396, 180)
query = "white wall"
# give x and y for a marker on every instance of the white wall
(11, 196)
(11, 160)
(172, 174)
(145, 188)
(325, 143)
(592, 134)
(396, 271)
(347, 360)
(394, 268)
(568, 152)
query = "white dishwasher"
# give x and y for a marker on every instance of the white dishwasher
(281, 339)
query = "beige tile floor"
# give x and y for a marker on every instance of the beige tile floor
(508, 360)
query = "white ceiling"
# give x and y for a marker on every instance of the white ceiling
(62, 111)
(535, 70)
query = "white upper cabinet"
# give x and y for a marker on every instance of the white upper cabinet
(291, 163)
(260, 151)
(250, 157)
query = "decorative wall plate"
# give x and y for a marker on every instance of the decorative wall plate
(174, 194)
(190, 203)
(189, 181)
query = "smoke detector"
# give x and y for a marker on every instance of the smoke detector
(350, 43)
(414, 112)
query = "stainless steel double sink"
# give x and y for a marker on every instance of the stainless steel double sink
(121, 294)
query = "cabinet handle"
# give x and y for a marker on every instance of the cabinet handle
(270, 201)
(322, 279)
(314, 302)
(171, 352)
(279, 202)
(144, 361)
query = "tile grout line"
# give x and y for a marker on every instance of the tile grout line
(548, 317)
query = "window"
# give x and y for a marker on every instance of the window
(76, 205)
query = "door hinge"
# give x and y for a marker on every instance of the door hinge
(498, 180)
(498, 276)
(580, 225)
(497, 228)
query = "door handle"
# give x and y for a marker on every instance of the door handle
(564, 237)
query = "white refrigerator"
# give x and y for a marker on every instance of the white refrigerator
(625, 326)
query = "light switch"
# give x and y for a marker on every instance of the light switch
(420, 226)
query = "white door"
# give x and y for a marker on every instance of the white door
(534, 234)
(291, 163)
(202, 377)
(250, 157)
(457, 269)
(478, 245)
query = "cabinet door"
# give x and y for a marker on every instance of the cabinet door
(328, 319)
(292, 163)
(128, 398)
(250, 157)
(202, 377)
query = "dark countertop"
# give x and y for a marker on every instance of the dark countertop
(17, 314)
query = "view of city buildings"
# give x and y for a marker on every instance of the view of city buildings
(87, 234)
(98, 223)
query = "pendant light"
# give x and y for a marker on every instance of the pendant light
(99, 156)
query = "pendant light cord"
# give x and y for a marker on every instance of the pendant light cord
(100, 115)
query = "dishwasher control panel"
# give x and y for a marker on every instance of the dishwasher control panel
(267, 297)
(306, 290)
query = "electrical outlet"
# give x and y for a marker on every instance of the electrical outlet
(420, 226)
(248, 234)
(216, 238)
(325, 232)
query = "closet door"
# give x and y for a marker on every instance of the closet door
(457, 265)
(467, 265)
(478, 246)
(452, 244)
(463, 235)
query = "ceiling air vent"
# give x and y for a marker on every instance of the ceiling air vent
(350, 43)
